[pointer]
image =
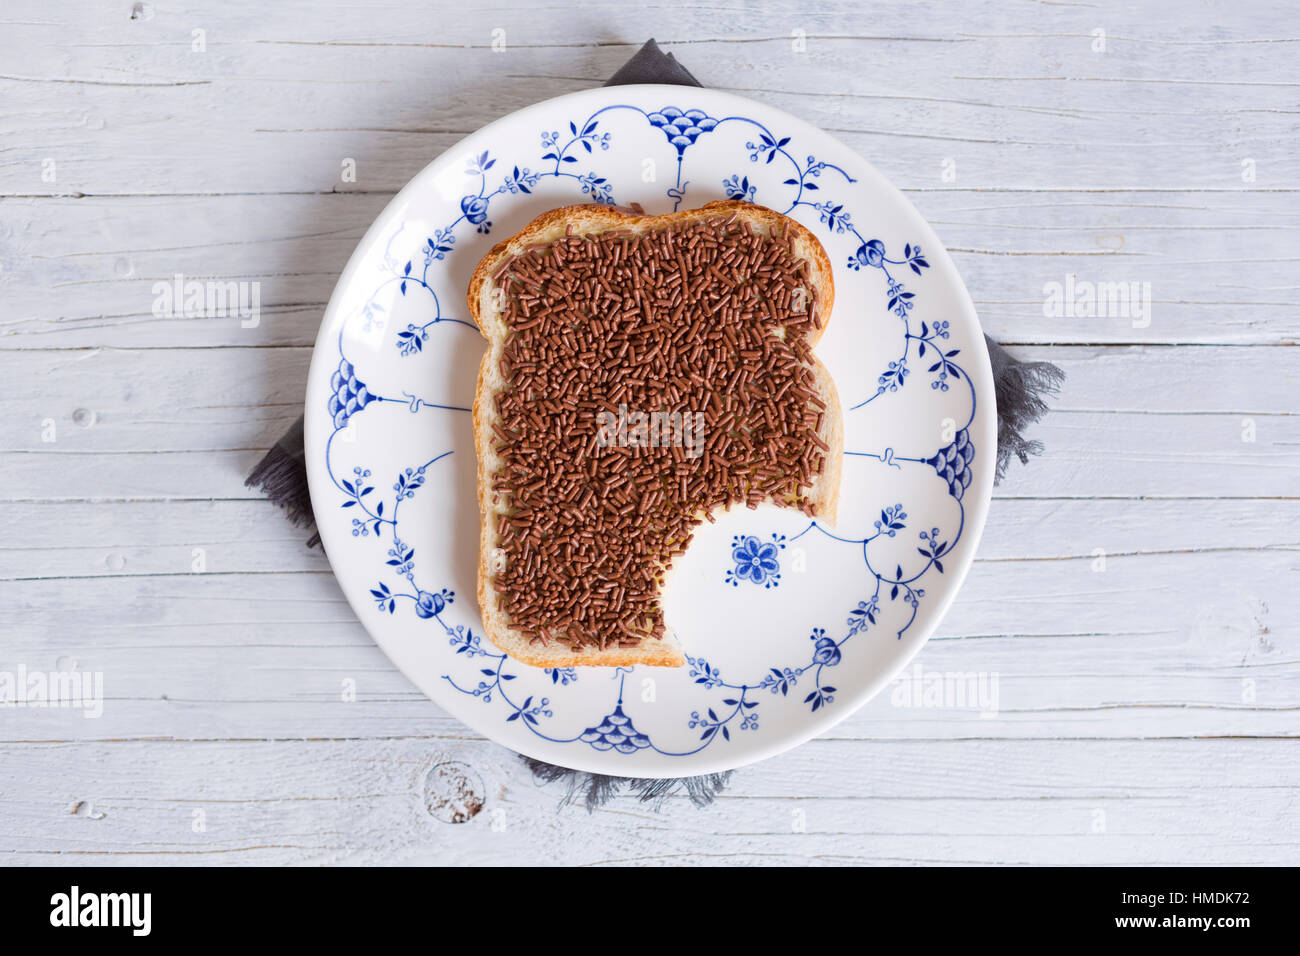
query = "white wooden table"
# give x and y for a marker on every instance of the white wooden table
(1137, 591)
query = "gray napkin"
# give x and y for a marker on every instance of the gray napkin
(1020, 389)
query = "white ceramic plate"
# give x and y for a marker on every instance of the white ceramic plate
(789, 625)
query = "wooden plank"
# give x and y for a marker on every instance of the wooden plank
(1018, 97)
(341, 801)
(251, 536)
(1204, 457)
(216, 399)
(1119, 648)
(1217, 265)
(128, 427)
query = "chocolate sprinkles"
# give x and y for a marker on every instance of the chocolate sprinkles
(708, 317)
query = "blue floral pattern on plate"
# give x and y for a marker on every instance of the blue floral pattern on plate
(756, 560)
(733, 704)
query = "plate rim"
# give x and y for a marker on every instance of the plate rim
(708, 761)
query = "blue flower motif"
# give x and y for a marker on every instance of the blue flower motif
(891, 520)
(895, 376)
(412, 339)
(953, 464)
(739, 188)
(863, 615)
(780, 679)
(401, 558)
(820, 698)
(712, 723)
(520, 181)
(408, 481)
(767, 145)
(825, 652)
(704, 673)
(912, 256)
(945, 367)
(563, 676)
(870, 253)
(530, 711)
(475, 209)
(467, 642)
(615, 732)
(756, 561)
(347, 395)
(834, 216)
(383, 598)
(428, 604)
(480, 164)
(900, 300)
(374, 320)
(682, 128)
(934, 550)
(437, 246)
(597, 187)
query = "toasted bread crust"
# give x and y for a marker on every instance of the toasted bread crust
(586, 220)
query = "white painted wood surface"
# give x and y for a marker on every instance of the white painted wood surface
(1148, 712)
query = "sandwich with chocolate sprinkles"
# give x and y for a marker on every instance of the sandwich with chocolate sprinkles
(642, 373)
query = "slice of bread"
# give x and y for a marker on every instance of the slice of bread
(488, 299)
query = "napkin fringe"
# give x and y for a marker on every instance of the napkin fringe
(282, 478)
(1021, 389)
(597, 789)
(281, 475)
